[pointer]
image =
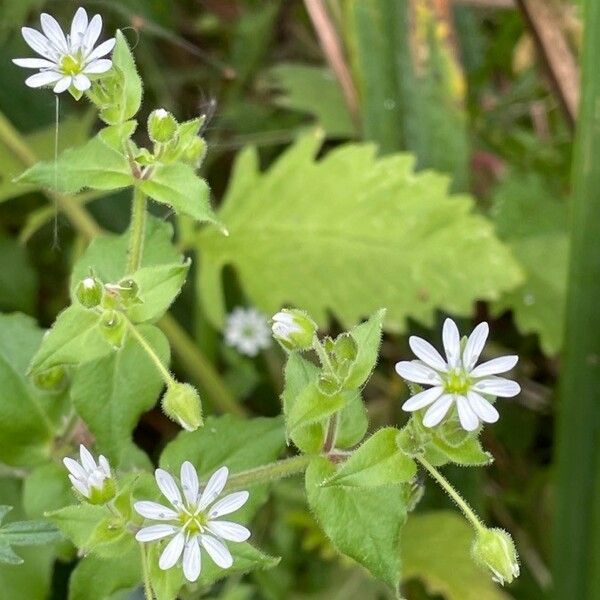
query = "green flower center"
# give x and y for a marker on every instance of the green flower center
(195, 523)
(457, 382)
(70, 65)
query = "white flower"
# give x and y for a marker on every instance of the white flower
(92, 480)
(247, 330)
(192, 522)
(66, 59)
(457, 379)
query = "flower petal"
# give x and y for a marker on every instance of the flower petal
(78, 27)
(191, 559)
(53, 32)
(104, 465)
(417, 372)
(423, 399)
(468, 419)
(34, 63)
(427, 353)
(155, 511)
(40, 43)
(451, 339)
(495, 366)
(102, 50)
(497, 386)
(43, 78)
(483, 409)
(189, 482)
(80, 486)
(63, 85)
(81, 82)
(172, 552)
(100, 65)
(92, 33)
(475, 345)
(228, 504)
(87, 460)
(155, 532)
(214, 487)
(229, 531)
(217, 551)
(168, 487)
(74, 467)
(437, 411)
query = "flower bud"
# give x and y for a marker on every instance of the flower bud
(294, 329)
(89, 292)
(91, 479)
(53, 379)
(195, 152)
(495, 550)
(162, 126)
(113, 327)
(181, 403)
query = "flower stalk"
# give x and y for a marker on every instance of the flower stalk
(137, 230)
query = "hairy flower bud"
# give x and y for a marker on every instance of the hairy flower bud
(89, 292)
(53, 379)
(90, 478)
(162, 126)
(181, 403)
(113, 327)
(495, 550)
(294, 329)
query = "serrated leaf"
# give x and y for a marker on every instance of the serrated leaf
(178, 186)
(377, 462)
(94, 165)
(381, 235)
(112, 393)
(29, 418)
(368, 339)
(436, 548)
(534, 223)
(73, 339)
(366, 526)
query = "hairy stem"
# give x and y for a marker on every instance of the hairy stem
(271, 472)
(137, 230)
(146, 574)
(456, 497)
(331, 435)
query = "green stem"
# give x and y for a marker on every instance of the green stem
(146, 574)
(447, 487)
(166, 375)
(271, 472)
(137, 230)
(331, 435)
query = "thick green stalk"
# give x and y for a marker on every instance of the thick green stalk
(148, 595)
(137, 231)
(271, 472)
(577, 513)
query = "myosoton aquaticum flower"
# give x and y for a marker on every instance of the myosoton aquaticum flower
(67, 60)
(90, 478)
(456, 379)
(247, 330)
(192, 522)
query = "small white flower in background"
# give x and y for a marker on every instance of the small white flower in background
(247, 330)
(192, 522)
(66, 59)
(90, 478)
(456, 380)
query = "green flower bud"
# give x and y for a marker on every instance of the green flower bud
(181, 403)
(53, 379)
(89, 292)
(162, 126)
(294, 329)
(195, 152)
(494, 549)
(102, 495)
(113, 327)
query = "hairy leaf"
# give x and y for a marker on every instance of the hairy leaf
(18, 280)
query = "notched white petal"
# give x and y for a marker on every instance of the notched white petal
(451, 339)
(155, 532)
(172, 552)
(468, 419)
(189, 482)
(191, 559)
(423, 399)
(228, 504)
(214, 487)
(418, 372)
(168, 487)
(437, 411)
(497, 386)
(154, 511)
(502, 364)
(427, 353)
(483, 409)
(217, 551)
(227, 530)
(475, 345)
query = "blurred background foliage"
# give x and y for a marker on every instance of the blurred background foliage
(466, 86)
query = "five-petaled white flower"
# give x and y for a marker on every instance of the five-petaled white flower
(457, 379)
(247, 330)
(92, 480)
(66, 59)
(193, 522)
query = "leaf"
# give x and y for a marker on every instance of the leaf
(166, 584)
(18, 280)
(381, 235)
(366, 526)
(312, 406)
(315, 91)
(534, 223)
(177, 185)
(78, 522)
(368, 339)
(436, 548)
(73, 339)
(377, 462)
(94, 165)
(29, 417)
(468, 453)
(112, 393)
(352, 423)
(236, 443)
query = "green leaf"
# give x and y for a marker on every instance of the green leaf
(436, 548)
(534, 223)
(377, 462)
(312, 406)
(112, 393)
(78, 522)
(94, 165)
(431, 250)
(125, 85)
(467, 454)
(368, 339)
(29, 417)
(366, 526)
(178, 186)
(73, 339)
(353, 423)
(236, 443)
(18, 280)
(166, 584)
(315, 91)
